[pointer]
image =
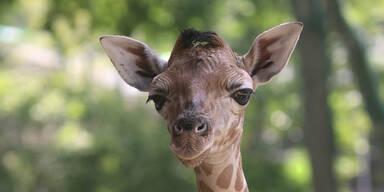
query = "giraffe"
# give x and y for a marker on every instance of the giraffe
(202, 92)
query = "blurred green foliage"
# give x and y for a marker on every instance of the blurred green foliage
(67, 122)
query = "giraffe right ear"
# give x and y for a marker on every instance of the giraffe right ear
(271, 50)
(135, 61)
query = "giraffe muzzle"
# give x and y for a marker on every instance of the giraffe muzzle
(191, 138)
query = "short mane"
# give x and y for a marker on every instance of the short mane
(190, 37)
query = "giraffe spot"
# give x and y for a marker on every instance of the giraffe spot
(239, 179)
(207, 168)
(225, 177)
(204, 187)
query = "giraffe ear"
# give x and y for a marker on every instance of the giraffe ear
(271, 51)
(135, 61)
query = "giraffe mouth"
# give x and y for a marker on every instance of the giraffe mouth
(195, 161)
(187, 152)
(191, 156)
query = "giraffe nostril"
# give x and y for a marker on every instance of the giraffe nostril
(177, 130)
(202, 127)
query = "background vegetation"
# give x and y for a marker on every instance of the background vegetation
(69, 123)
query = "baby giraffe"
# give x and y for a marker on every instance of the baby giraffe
(202, 92)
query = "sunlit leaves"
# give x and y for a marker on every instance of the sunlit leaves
(51, 106)
(297, 166)
(75, 110)
(368, 14)
(71, 136)
(15, 92)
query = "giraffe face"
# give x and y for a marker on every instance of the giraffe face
(202, 96)
(203, 89)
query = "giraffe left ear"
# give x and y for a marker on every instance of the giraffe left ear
(271, 51)
(135, 61)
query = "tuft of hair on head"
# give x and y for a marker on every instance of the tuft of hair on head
(191, 38)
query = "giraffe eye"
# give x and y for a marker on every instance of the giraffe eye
(242, 96)
(159, 101)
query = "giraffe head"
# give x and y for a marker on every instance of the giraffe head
(203, 89)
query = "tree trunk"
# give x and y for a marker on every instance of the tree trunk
(368, 86)
(318, 132)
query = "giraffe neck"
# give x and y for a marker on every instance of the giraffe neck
(222, 172)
